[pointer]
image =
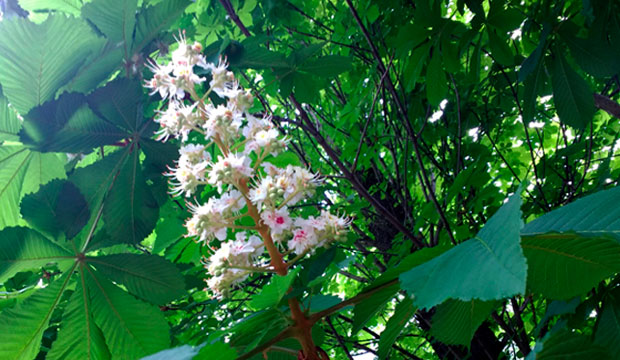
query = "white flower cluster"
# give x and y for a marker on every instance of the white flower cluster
(247, 185)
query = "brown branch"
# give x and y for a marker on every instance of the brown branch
(606, 104)
(233, 15)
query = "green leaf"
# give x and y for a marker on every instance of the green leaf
(22, 172)
(500, 50)
(67, 125)
(572, 95)
(564, 265)
(568, 345)
(38, 59)
(22, 327)
(504, 19)
(436, 85)
(149, 277)
(105, 59)
(57, 208)
(115, 19)
(79, 337)
(532, 85)
(152, 20)
(119, 103)
(131, 328)
(417, 258)
(130, 211)
(327, 66)
(488, 267)
(607, 332)
(594, 215)
(369, 307)
(9, 122)
(403, 312)
(273, 292)
(592, 55)
(24, 249)
(217, 351)
(455, 322)
(71, 7)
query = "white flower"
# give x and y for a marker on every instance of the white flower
(230, 169)
(304, 239)
(278, 220)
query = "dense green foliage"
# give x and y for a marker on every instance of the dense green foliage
(474, 143)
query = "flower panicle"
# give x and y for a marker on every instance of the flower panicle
(239, 171)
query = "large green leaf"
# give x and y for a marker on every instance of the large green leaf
(564, 265)
(608, 328)
(22, 327)
(118, 103)
(21, 172)
(592, 55)
(564, 344)
(9, 122)
(131, 328)
(152, 20)
(455, 322)
(488, 267)
(24, 249)
(594, 215)
(68, 125)
(130, 211)
(105, 59)
(105, 171)
(57, 208)
(149, 277)
(403, 312)
(115, 19)
(79, 337)
(67, 6)
(38, 59)
(572, 95)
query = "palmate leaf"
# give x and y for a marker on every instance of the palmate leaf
(67, 6)
(571, 249)
(130, 211)
(22, 327)
(152, 20)
(119, 103)
(149, 277)
(9, 122)
(131, 328)
(490, 266)
(24, 249)
(79, 337)
(68, 125)
(115, 19)
(57, 208)
(38, 59)
(22, 171)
